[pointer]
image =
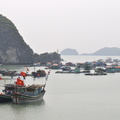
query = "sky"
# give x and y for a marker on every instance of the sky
(51, 25)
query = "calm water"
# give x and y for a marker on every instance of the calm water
(69, 97)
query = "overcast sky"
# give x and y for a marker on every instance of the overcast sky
(48, 25)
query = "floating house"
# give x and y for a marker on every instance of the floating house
(77, 70)
(69, 64)
(112, 69)
(55, 66)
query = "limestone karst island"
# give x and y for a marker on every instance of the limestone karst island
(14, 50)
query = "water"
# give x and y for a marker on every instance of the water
(70, 97)
(82, 58)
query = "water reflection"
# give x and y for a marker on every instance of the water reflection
(38, 103)
(14, 111)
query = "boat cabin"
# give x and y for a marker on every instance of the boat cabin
(9, 89)
(31, 90)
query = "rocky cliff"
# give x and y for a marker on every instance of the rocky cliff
(13, 49)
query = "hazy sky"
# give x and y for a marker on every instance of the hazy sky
(48, 25)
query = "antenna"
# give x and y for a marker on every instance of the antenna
(47, 75)
(57, 50)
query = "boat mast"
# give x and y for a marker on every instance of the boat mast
(16, 94)
(47, 75)
(34, 71)
(34, 66)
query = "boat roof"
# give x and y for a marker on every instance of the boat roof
(9, 85)
(35, 86)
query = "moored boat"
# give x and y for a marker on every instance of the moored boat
(93, 74)
(5, 96)
(39, 73)
(97, 71)
(28, 94)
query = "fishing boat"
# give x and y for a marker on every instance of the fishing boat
(28, 94)
(5, 96)
(39, 73)
(94, 74)
(97, 71)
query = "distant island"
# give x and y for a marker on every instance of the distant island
(109, 51)
(106, 51)
(69, 51)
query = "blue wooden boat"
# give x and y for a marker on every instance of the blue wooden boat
(39, 73)
(28, 94)
(5, 96)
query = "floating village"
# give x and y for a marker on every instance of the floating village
(99, 67)
(21, 93)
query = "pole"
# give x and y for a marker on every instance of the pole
(15, 94)
(34, 66)
(34, 71)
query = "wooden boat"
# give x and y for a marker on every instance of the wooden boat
(72, 71)
(28, 94)
(39, 73)
(66, 68)
(6, 95)
(9, 73)
(93, 74)
(97, 71)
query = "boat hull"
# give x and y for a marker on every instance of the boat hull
(21, 98)
(5, 98)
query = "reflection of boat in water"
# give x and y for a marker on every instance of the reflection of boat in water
(6, 95)
(28, 94)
